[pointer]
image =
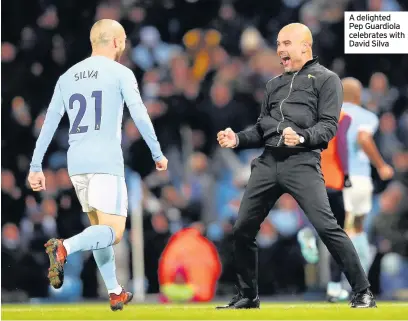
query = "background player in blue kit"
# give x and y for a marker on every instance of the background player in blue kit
(92, 93)
(362, 151)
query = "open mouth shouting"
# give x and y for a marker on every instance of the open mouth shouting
(285, 60)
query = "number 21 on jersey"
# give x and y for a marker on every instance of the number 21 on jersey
(76, 128)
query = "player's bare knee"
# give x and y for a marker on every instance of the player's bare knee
(359, 223)
(116, 222)
(118, 229)
(118, 236)
(93, 218)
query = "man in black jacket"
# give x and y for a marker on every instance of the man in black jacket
(298, 119)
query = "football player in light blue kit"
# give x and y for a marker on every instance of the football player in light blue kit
(92, 93)
(362, 150)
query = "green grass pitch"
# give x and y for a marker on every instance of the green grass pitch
(268, 311)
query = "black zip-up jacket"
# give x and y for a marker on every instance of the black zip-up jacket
(309, 101)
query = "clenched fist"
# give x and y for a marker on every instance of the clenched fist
(290, 136)
(386, 172)
(161, 165)
(227, 138)
(37, 181)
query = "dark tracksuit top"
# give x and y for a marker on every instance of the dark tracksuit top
(309, 101)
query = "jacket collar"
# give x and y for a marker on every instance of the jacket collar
(311, 62)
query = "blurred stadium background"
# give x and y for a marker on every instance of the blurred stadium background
(201, 67)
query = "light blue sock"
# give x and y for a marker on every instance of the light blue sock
(105, 259)
(362, 246)
(94, 237)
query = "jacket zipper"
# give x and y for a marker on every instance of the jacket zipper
(280, 107)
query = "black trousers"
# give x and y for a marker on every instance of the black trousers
(298, 173)
(336, 202)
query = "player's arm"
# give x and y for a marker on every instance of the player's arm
(328, 110)
(366, 140)
(138, 111)
(53, 117)
(341, 143)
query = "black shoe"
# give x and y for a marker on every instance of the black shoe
(234, 300)
(363, 299)
(244, 303)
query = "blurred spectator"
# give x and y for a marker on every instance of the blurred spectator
(221, 111)
(379, 96)
(49, 19)
(8, 52)
(267, 235)
(25, 270)
(179, 74)
(281, 265)
(152, 51)
(155, 241)
(286, 218)
(133, 22)
(391, 232)
(199, 187)
(200, 44)
(386, 139)
(251, 42)
(106, 11)
(230, 25)
(174, 202)
(403, 128)
(38, 228)
(11, 253)
(12, 208)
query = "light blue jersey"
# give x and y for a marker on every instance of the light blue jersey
(92, 93)
(361, 119)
